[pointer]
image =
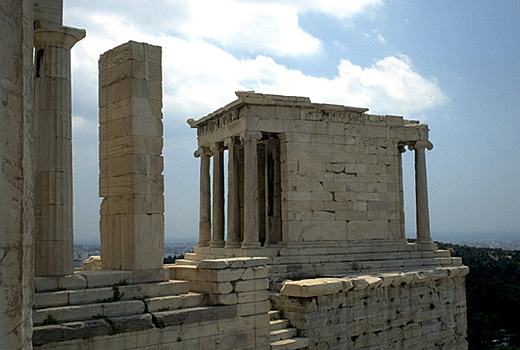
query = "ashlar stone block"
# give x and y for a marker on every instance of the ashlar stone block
(312, 287)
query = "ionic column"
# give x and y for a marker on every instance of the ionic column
(205, 197)
(250, 140)
(217, 239)
(421, 192)
(54, 251)
(233, 203)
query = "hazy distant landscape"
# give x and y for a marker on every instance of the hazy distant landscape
(83, 250)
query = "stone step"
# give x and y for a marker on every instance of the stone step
(275, 315)
(98, 279)
(126, 292)
(90, 328)
(184, 262)
(60, 314)
(290, 344)
(278, 324)
(111, 325)
(173, 302)
(282, 334)
(193, 315)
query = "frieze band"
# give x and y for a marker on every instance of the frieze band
(218, 122)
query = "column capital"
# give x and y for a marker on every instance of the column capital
(417, 145)
(48, 33)
(202, 151)
(230, 141)
(216, 147)
(250, 135)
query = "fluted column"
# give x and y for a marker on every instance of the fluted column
(217, 240)
(421, 192)
(233, 203)
(250, 140)
(54, 250)
(205, 197)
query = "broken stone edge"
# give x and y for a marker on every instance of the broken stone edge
(309, 288)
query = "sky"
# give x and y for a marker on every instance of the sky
(454, 65)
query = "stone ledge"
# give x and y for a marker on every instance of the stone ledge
(312, 287)
(93, 295)
(91, 328)
(98, 278)
(193, 315)
(233, 263)
(309, 288)
(129, 323)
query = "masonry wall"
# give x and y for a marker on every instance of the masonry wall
(346, 183)
(16, 174)
(341, 173)
(412, 310)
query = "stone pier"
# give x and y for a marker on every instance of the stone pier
(131, 162)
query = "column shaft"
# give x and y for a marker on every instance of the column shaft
(421, 193)
(54, 250)
(233, 203)
(250, 190)
(205, 197)
(217, 239)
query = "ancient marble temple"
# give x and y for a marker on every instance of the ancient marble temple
(306, 178)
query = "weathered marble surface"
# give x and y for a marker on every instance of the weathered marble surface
(16, 174)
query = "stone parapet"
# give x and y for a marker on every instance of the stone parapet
(323, 286)
(416, 309)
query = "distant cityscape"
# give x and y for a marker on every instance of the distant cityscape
(172, 249)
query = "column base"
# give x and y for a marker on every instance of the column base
(426, 245)
(217, 244)
(232, 245)
(203, 244)
(250, 245)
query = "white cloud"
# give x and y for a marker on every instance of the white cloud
(255, 27)
(335, 8)
(84, 125)
(201, 74)
(211, 52)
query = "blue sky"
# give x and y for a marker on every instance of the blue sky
(452, 64)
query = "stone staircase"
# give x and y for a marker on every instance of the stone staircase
(82, 311)
(283, 337)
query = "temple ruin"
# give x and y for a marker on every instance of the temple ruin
(301, 222)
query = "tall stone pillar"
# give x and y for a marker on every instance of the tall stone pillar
(54, 250)
(233, 203)
(131, 162)
(205, 197)
(251, 233)
(16, 174)
(421, 192)
(273, 201)
(217, 239)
